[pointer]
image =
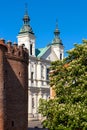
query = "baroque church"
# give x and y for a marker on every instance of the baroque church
(39, 64)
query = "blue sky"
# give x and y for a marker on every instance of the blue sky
(71, 16)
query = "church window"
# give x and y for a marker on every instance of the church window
(32, 102)
(30, 49)
(47, 74)
(60, 56)
(32, 74)
(42, 71)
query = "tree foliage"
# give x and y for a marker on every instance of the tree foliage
(68, 110)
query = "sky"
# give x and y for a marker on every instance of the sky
(71, 16)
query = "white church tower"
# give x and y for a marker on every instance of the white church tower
(57, 45)
(26, 36)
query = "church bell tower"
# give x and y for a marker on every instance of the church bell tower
(26, 36)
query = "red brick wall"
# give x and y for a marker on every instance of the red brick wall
(13, 91)
(1, 87)
(16, 90)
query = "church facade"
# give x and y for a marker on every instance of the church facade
(39, 64)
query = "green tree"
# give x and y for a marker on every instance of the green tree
(68, 110)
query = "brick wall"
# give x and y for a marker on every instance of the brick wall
(13, 91)
(2, 51)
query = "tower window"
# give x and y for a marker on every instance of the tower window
(30, 49)
(60, 56)
(32, 77)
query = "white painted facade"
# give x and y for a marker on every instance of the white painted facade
(38, 80)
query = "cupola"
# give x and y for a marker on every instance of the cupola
(26, 28)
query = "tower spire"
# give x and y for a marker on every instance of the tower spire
(57, 39)
(26, 28)
(26, 18)
(56, 32)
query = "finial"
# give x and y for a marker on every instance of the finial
(26, 25)
(26, 8)
(56, 23)
(56, 32)
(57, 39)
(26, 18)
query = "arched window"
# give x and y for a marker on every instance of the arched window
(60, 56)
(32, 73)
(30, 49)
(33, 102)
(47, 75)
